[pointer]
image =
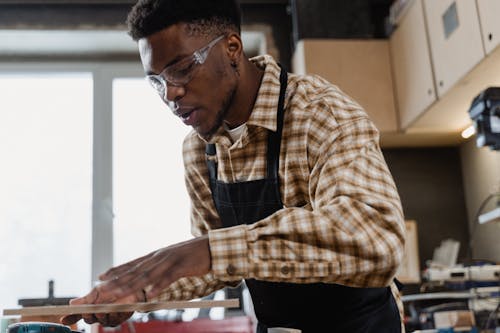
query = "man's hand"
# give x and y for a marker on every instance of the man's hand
(105, 319)
(144, 278)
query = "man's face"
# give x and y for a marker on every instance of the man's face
(204, 100)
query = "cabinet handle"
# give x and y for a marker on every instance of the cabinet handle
(490, 36)
(441, 83)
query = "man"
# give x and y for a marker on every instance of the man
(288, 185)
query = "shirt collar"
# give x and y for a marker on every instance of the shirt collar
(264, 111)
(265, 108)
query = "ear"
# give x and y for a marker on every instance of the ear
(234, 47)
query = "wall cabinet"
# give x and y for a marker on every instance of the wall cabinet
(411, 65)
(436, 60)
(461, 69)
(454, 36)
(489, 11)
(360, 68)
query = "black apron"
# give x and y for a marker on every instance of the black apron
(313, 307)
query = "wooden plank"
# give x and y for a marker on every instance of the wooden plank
(409, 270)
(110, 308)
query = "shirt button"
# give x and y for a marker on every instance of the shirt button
(230, 269)
(285, 270)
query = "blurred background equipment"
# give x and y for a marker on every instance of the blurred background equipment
(50, 300)
(485, 112)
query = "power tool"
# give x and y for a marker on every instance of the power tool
(38, 327)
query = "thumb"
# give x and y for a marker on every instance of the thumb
(79, 300)
(87, 299)
(90, 298)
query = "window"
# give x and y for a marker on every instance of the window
(91, 175)
(151, 205)
(46, 184)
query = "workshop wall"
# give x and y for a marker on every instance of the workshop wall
(277, 17)
(429, 181)
(481, 177)
(339, 18)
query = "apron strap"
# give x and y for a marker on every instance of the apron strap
(274, 138)
(211, 155)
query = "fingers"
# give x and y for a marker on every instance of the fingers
(88, 318)
(112, 319)
(151, 271)
(101, 318)
(92, 297)
(105, 319)
(70, 320)
(157, 270)
(115, 319)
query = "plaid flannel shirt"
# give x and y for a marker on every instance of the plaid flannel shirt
(342, 220)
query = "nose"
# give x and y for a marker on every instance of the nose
(174, 93)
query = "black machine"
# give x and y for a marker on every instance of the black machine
(485, 112)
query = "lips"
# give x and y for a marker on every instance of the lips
(187, 115)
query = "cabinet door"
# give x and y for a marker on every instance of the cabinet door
(411, 63)
(455, 40)
(360, 68)
(489, 12)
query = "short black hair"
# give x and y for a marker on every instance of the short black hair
(150, 16)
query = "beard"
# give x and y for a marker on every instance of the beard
(219, 117)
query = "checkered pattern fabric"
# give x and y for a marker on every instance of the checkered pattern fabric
(342, 220)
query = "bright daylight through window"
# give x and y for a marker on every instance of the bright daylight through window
(46, 185)
(151, 205)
